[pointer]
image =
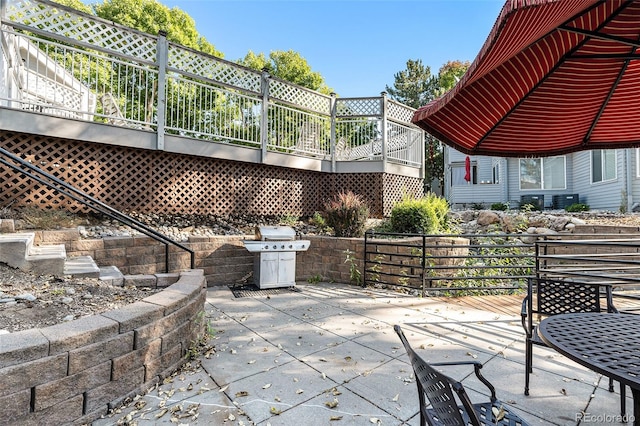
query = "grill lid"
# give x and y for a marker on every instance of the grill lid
(275, 233)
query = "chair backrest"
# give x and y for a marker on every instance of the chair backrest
(555, 297)
(309, 137)
(438, 389)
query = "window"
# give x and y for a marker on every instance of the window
(496, 173)
(458, 172)
(543, 173)
(603, 165)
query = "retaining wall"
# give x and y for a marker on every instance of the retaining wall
(223, 259)
(74, 372)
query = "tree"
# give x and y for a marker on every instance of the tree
(416, 87)
(448, 75)
(289, 66)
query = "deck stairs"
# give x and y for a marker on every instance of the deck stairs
(18, 250)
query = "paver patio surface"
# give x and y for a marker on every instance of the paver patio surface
(326, 354)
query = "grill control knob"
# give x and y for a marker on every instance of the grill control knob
(275, 246)
(266, 247)
(282, 246)
(290, 246)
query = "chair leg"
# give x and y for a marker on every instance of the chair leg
(528, 368)
(611, 385)
(623, 401)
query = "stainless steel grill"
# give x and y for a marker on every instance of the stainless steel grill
(275, 250)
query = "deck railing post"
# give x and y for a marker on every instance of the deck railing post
(162, 59)
(264, 114)
(383, 130)
(333, 132)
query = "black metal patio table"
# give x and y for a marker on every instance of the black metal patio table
(606, 343)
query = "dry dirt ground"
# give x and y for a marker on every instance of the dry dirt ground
(36, 301)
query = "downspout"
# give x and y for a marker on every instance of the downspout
(629, 178)
(504, 181)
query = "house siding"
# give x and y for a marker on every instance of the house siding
(482, 193)
(623, 191)
(599, 195)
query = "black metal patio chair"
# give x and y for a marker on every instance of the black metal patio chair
(546, 297)
(449, 402)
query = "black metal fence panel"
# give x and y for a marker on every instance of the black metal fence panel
(440, 264)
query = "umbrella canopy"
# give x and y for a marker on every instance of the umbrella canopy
(554, 76)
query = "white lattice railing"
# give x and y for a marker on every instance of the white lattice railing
(65, 63)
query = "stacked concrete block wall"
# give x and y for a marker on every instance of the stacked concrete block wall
(74, 372)
(225, 261)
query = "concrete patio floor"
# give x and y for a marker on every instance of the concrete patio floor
(327, 355)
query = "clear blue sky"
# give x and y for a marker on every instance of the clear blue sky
(356, 45)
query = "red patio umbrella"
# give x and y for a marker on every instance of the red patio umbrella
(554, 76)
(467, 169)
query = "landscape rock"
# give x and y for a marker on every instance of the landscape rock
(488, 217)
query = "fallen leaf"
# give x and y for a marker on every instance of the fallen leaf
(347, 358)
(274, 410)
(224, 388)
(332, 404)
(334, 418)
(299, 391)
(267, 386)
(375, 420)
(242, 393)
(498, 413)
(395, 398)
(162, 413)
(252, 361)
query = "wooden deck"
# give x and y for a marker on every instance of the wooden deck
(500, 304)
(511, 304)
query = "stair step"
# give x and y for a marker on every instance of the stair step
(15, 247)
(47, 259)
(112, 275)
(81, 266)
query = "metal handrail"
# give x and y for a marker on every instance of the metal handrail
(89, 201)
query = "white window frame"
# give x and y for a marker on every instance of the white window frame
(602, 166)
(460, 165)
(542, 179)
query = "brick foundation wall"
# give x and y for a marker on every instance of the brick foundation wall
(76, 371)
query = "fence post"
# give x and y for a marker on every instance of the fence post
(333, 132)
(264, 114)
(162, 59)
(383, 125)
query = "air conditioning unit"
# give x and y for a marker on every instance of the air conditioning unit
(565, 200)
(537, 201)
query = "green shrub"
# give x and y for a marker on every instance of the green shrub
(577, 207)
(347, 214)
(500, 206)
(427, 215)
(318, 221)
